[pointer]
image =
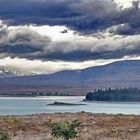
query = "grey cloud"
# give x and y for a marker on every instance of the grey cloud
(81, 15)
(91, 49)
(127, 22)
(124, 29)
(85, 16)
(21, 42)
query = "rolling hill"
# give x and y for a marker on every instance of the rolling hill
(77, 82)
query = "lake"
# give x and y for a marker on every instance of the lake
(34, 105)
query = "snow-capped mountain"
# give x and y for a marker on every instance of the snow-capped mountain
(7, 72)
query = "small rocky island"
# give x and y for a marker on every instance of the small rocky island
(64, 104)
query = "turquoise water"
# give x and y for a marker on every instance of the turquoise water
(34, 105)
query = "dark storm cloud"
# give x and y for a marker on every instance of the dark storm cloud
(85, 16)
(22, 47)
(80, 56)
(21, 42)
(36, 11)
(128, 22)
(82, 15)
(96, 50)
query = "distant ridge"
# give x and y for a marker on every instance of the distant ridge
(77, 82)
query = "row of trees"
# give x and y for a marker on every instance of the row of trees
(38, 94)
(50, 94)
(117, 94)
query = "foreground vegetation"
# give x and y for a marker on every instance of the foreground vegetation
(117, 94)
(4, 135)
(92, 126)
(66, 130)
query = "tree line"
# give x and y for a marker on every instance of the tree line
(114, 94)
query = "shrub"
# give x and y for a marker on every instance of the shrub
(67, 130)
(4, 135)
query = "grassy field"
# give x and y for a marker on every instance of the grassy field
(93, 126)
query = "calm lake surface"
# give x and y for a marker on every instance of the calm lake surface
(33, 105)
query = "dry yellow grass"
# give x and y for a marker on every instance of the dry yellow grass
(93, 126)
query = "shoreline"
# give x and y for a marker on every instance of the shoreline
(70, 113)
(86, 101)
(40, 96)
(123, 102)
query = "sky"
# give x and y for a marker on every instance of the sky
(45, 36)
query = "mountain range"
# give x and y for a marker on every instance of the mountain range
(75, 82)
(8, 72)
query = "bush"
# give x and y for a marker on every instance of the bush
(4, 135)
(67, 130)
